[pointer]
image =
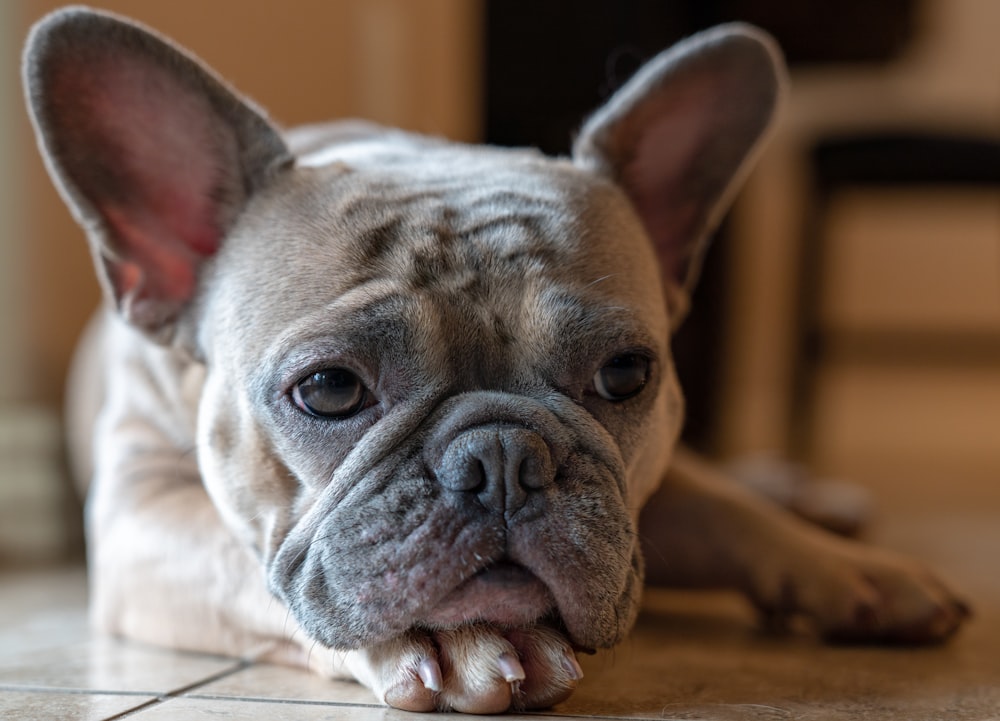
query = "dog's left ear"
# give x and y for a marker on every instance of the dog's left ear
(680, 137)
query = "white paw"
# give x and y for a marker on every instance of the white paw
(473, 669)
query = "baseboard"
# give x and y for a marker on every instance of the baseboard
(34, 492)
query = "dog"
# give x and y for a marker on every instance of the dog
(402, 410)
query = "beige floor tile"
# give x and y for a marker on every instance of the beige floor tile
(692, 656)
(103, 664)
(194, 709)
(37, 706)
(270, 682)
(41, 610)
(279, 683)
(700, 656)
(48, 630)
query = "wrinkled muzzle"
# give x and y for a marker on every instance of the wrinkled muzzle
(497, 509)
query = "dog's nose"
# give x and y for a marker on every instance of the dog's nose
(500, 465)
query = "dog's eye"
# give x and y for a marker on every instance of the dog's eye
(331, 393)
(623, 377)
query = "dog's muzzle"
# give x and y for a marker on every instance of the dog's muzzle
(498, 508)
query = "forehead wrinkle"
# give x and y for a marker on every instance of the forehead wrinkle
(327, 321)
(482, 238)
(409, 334)
(445, 223)
(585, 317)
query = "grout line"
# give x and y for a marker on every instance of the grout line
(555, 715)
(135, 710)
(177, 692)
(305, 702)
(158, 699)
(7, 687)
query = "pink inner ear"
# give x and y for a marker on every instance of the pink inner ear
(660, 178)
(168, 147)
(155, 268)
(150, 155)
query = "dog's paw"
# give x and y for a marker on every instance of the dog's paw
(472, 669)
(854, 593)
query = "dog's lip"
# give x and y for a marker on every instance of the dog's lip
(504, 572)
(503, 593)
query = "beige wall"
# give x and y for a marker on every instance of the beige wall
(12, 197)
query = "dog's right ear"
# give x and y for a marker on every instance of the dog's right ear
(153, 153)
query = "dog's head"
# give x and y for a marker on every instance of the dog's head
(438, 384)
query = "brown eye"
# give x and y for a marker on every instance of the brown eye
(622, 377)
(331, 393)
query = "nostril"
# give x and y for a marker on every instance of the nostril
(525, 473)
(477, 480)
(535, 469)
(533, 473)
(467, 464)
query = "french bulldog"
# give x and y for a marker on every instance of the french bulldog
(401, 409)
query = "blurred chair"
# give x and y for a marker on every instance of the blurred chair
(878, 164)
(930, 119)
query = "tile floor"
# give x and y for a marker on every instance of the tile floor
(693, 656)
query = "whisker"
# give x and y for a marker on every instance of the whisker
(601, 279)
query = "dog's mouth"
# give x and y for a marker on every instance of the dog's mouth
(504, 593)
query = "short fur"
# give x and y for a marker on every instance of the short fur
(474, 519)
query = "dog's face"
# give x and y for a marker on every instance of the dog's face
(460, 404)
(437, 377)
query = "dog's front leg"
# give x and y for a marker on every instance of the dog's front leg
(701, 529)
(165, 570)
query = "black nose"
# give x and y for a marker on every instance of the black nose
(501, 465)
